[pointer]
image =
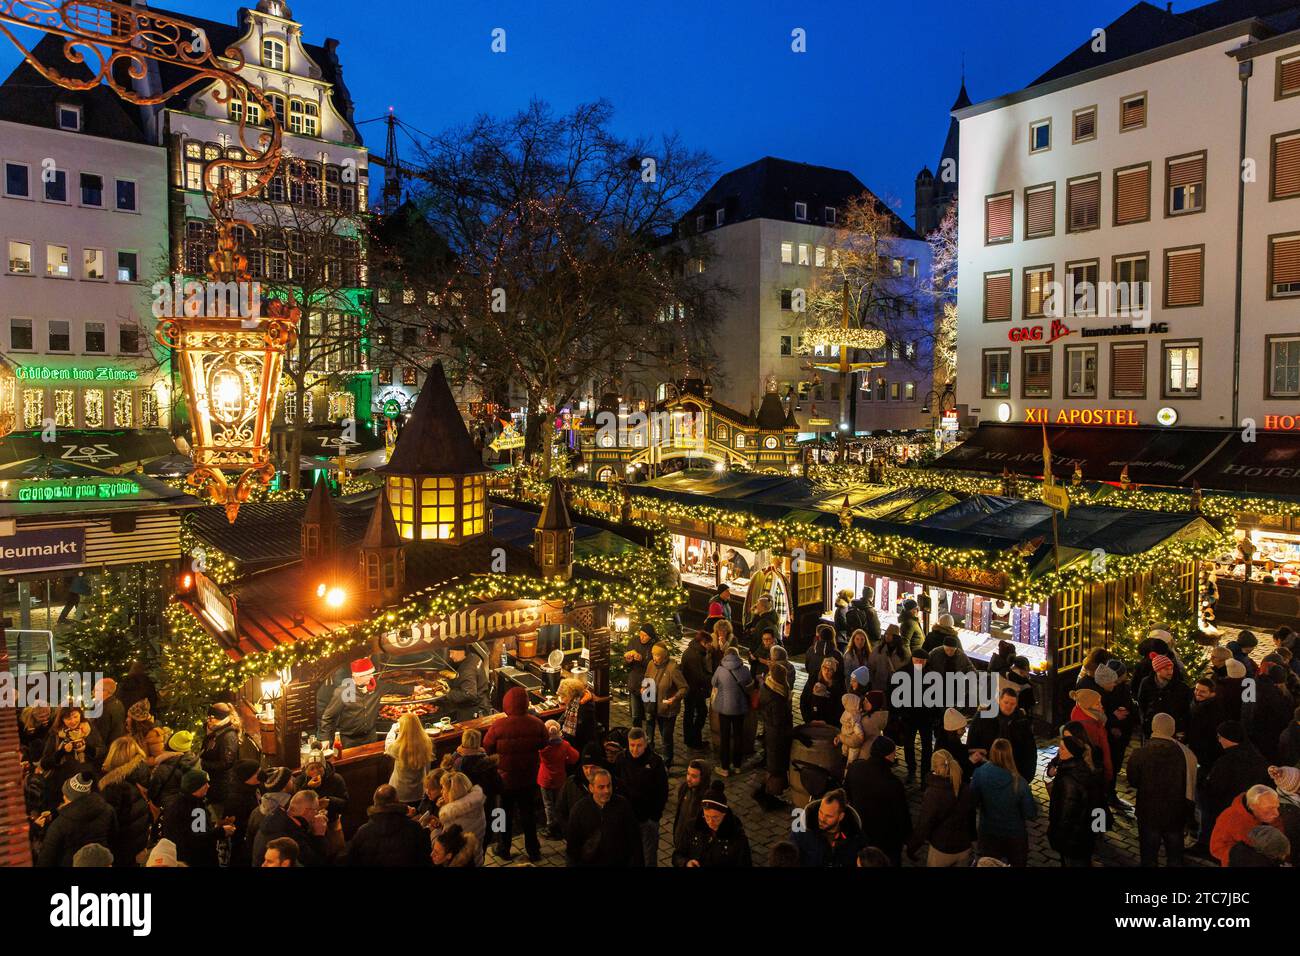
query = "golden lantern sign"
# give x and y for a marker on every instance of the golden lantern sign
(8, 398)
(230, 365)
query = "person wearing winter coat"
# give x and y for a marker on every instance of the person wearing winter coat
(463, 804)
(694, 787)
(637, 659)
(857, 653)
(947, 818)
(73, 746)
(821, 696)
(830, 834)
(579, 783)
(389, 837)
(1089, 712)
(189, 823)
(911, 634)
(1005, 803)
(304, 820)
(554, 761)
(219, 752)
(453, 848)
(1071, 811)
(1121, 715)
(851, 737)
(136, 686)
(1203, 719)
(34, 726)
(778, 730)
(666, 686)
(641, 777)
(697, 668)
(409, 745)
(123, 788)
(241, 801)
(517, 739)
(84, 817)
(822, 647)
(111, 722)
(915, 719)
(1163, 774)
(1163, 691)
(949, 658)
(319, 776)
(1238, 768)
(943, 629)
(474, 762)
(1011, 723)
(1240, 650)
(731, 682)
(1267, 716)
(578, 720)
(880, 799)
(1264, 846)
(948, 736)
(602, 828)
(1288, 742)
(169, 759)
(1257, 806)
(716, 838)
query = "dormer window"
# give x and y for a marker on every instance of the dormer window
(273, 54)
(69, 117)
(830, 215)
(801, 211)
(719, 217)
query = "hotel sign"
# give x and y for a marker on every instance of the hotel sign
(486, 622)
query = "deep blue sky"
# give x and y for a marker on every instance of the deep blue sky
(871, 94)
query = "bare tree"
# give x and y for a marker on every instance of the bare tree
(943, 269)
(559, 270)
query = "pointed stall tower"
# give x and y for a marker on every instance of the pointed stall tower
(436, 482)
(382, 558)
(320, 525)
(553, 536)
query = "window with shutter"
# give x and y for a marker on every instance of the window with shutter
(1128, 371)
(1037, 376)
(1037, 279)
(997, 218)
(1288, 76)
(1184, 277)
(1083, 202)
(1284, 266)
(1085, 124)
(1133, 112)
(1040, 211)
(1185, 184)
(997, 296)
(1132, 195)
(1286, 166)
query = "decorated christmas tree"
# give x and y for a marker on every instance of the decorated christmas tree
(117, 623)
(1163, 606)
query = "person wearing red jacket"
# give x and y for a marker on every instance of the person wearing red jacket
(555, 760)
(1258, 805)
(517, 739)
(1089, 712)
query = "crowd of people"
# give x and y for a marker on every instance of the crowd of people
(1212, 755)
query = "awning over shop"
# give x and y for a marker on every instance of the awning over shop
(23, 454)
(515, 526)
(1268, 465)
(1153, 456)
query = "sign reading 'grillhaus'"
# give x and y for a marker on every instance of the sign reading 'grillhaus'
(486, 622)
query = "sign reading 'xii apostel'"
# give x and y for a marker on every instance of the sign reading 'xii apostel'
(481, 622)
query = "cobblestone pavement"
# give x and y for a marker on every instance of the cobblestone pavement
(1119, 847)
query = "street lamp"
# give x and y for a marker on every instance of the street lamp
(230, 364)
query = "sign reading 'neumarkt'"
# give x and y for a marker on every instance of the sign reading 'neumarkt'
(45, 549)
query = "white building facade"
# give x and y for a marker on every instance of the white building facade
(1128, 179)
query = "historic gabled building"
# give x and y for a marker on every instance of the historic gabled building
(620, 441)
(937, 191)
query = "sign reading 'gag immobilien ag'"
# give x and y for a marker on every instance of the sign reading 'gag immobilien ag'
(43, 549)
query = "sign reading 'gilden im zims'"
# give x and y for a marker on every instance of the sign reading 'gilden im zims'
(43, 549)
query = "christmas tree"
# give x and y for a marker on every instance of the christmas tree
(116, 623)
(1163, 606)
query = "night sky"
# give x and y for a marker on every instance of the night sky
(870, 95)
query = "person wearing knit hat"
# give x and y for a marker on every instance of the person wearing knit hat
(1234, 669)
(578, 784)
(1263, 846)
(84, 817)
(775, 707)
(219, 751)
(273, 779)
(1219, 655)
(163, 854)
(181, 742)
(637, 659)
(953, 720)
(880, 799)
(1163, 691)
(1072, 805)
(195, 782)
(189, 822)
(1268, 712)
(1089, 712)
(1238, 768)
(93, 855)
(1286, 779)
(1105, 677)
(716, 838)
(948, 736)
(860, 679)
(1163, 774)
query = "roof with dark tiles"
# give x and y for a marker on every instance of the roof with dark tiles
(435, 440)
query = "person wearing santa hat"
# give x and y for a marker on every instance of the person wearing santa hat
(353, 709)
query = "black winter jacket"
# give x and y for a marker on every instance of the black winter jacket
(218, 756)
(603, 837)
(132, 811)
(1266, 717)
(644, 782)
(946, 820)
(1018, 729)
(88, 819)
(697, 668)
(389, 838)
(1070, 816)
(1202, 734)
(1237, 770)
(1174, 699)
(1158, 772)
(727, 847)
(188, 823)
(311, 848)
(881, 803)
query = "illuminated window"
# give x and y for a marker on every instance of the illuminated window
(740, 440)
(277, 105)
(290, 407)
(56, 261)
(273, 53)
(787, 253)
(93, 407)
(33, 407)
(437, 508)
(149, 417)
(123, 408)
(401, 499)
(93, 263)
(308, 408)
(342, 405)
(65, 407)
(474, 492)
(20, 257)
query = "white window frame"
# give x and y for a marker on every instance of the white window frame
(1180, 391)
(67, 253)
(1034, 127)
(31, 327)
(85, 337)
(117, 181)
(801, 211)
(804, 254)
(277, 47)
(9, 270)
(830, 215)
(103, 188)
(67, 189)
(4, 184)
(49, 331)
(71, 108)
(1082, 351)
(1294, 342)
(103, 264)
(117, 265)
(787, 253)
